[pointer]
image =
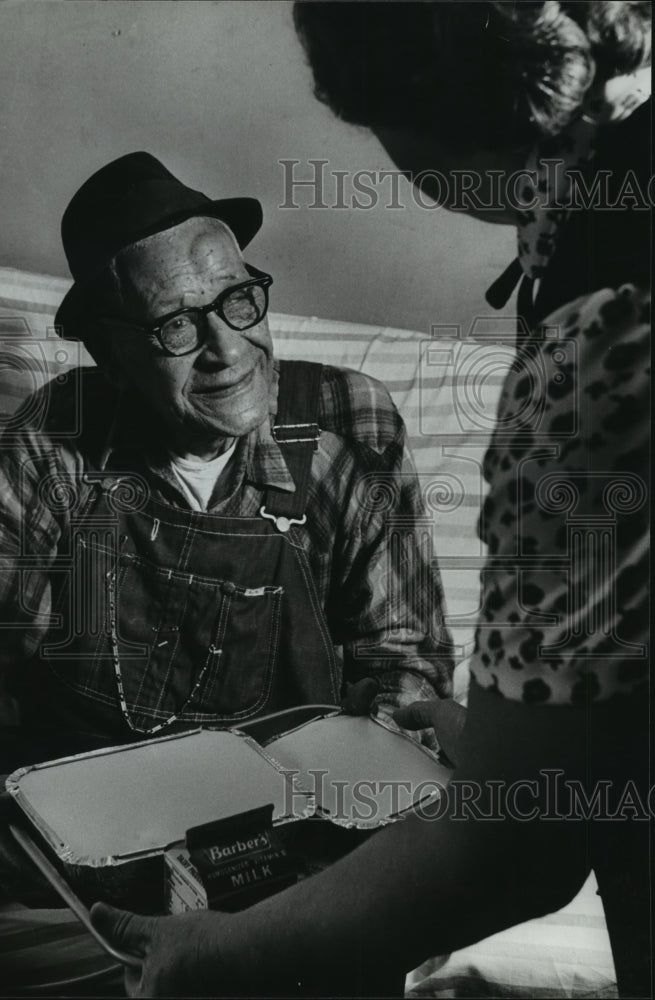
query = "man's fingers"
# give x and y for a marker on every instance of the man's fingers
(359, 696)
(124, 930)
(418, 715)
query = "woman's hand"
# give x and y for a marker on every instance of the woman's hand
(445, 716)
(178, 955)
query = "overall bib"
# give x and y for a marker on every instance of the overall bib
(173, 618)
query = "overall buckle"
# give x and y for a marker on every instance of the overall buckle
(297, 434)
(281, 522)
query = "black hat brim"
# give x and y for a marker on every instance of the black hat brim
(243, 216)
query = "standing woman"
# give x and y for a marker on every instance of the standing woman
(558, 704)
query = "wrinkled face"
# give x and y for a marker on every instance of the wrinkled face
(221, 390)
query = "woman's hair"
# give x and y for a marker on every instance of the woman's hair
(483, 75)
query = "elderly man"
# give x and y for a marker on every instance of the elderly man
(206, 550)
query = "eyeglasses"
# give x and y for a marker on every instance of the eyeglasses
(240, 307)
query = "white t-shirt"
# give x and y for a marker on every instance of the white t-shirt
(197, 477)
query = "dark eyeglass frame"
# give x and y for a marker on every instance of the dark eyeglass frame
(257, 277)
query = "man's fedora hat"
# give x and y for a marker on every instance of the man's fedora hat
(133, 197)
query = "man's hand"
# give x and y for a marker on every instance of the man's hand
(179, 955)
(445, 716)
(358, 697)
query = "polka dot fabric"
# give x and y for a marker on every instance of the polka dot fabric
(565, 599)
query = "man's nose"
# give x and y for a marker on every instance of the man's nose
(223, 343)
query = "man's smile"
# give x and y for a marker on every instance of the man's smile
(227, 385)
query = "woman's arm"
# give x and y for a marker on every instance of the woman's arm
(420, 887)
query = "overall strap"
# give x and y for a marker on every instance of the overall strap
(297, 433)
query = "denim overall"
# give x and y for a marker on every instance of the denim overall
(188, 618)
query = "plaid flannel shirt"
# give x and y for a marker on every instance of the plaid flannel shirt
(366, 535)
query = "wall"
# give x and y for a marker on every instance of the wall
(221, 93)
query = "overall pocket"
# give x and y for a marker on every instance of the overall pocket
(212, 643)
(184, 645)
